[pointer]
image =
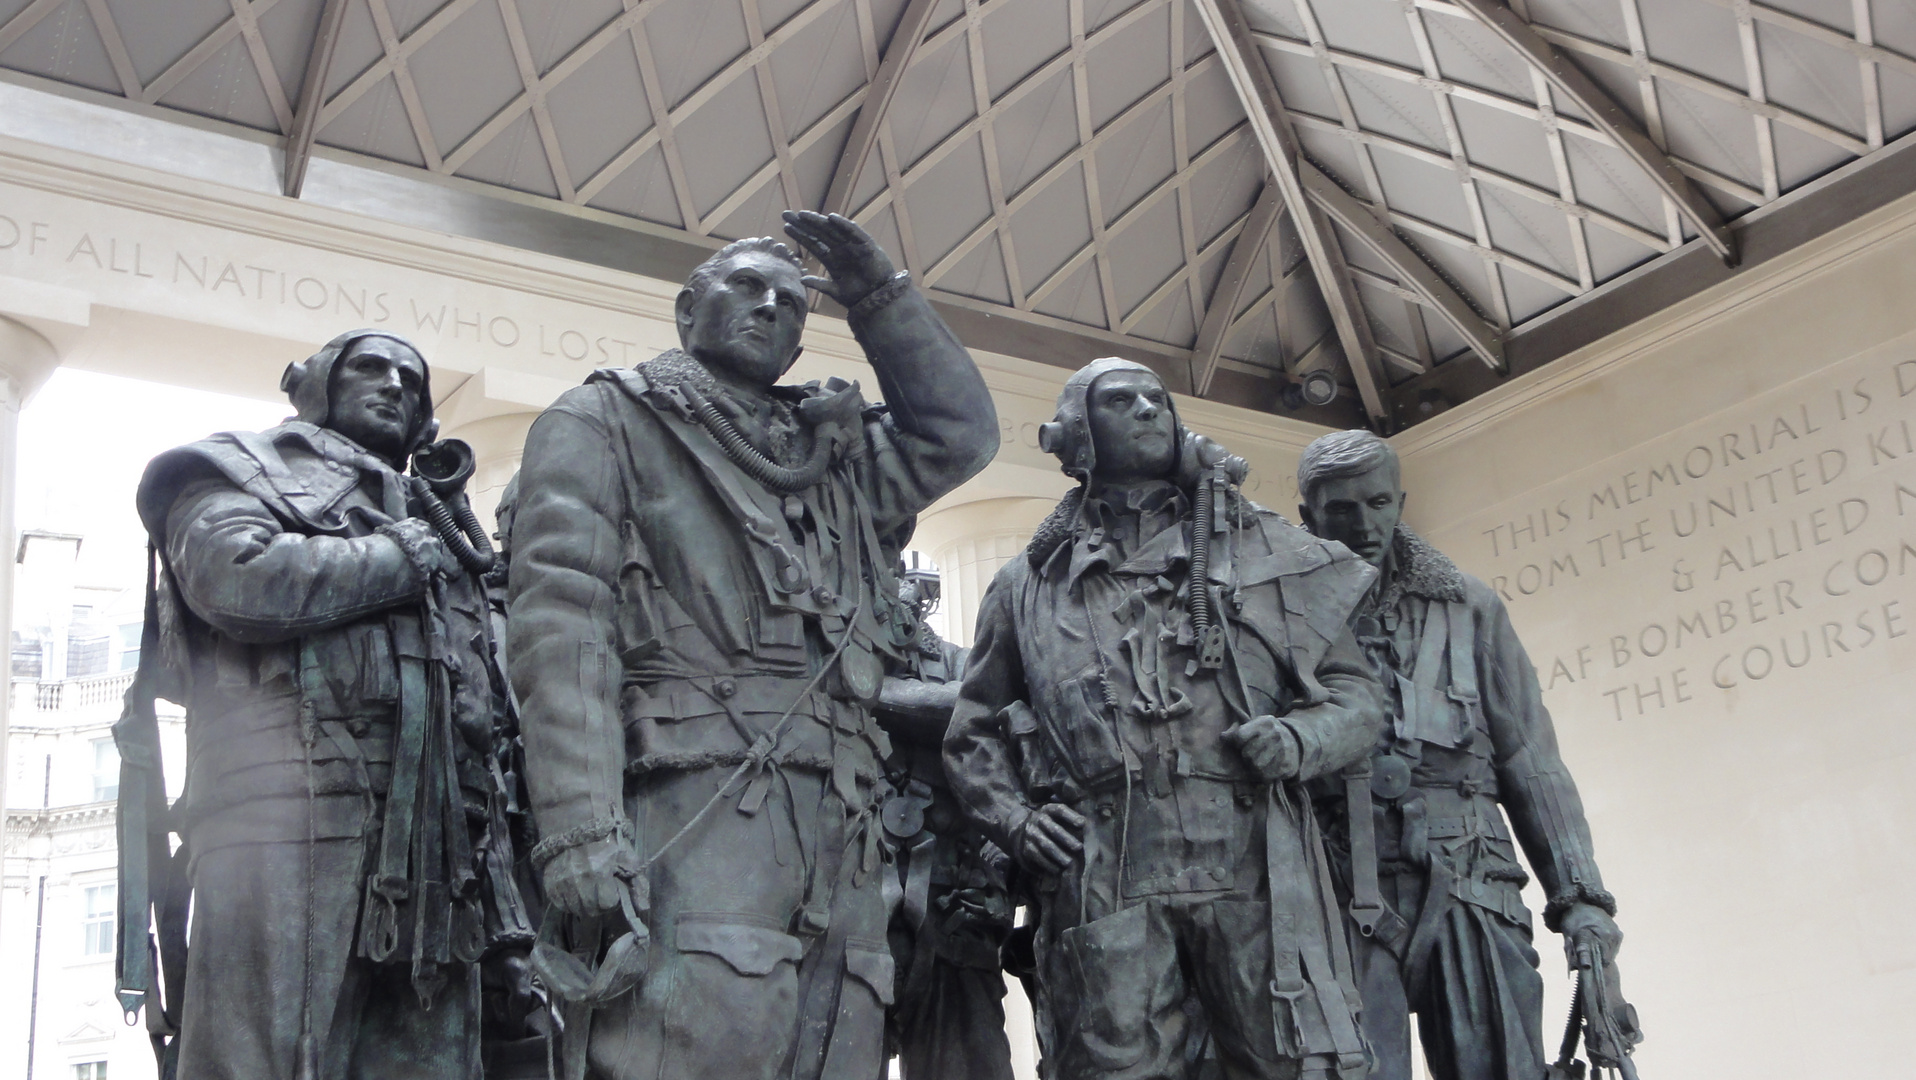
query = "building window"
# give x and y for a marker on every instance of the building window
(27, 657)
(90, 1070)
(106, 770)
(99, 925)
(130, 646)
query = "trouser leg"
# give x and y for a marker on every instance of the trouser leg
(1480, 1011)
(1116, 992)
(1380, 981)
(1228, 943)
(721, 998)
(958, 1031)
(260, 911)
(394, 1035)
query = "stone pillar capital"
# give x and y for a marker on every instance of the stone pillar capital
(27, 359)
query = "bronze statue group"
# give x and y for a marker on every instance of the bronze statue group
(679, 784)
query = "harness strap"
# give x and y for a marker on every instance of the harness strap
(388, 885)
(152, 887)
(1307, 946)
(1463, 665)
(1367, 902)
(821, 974)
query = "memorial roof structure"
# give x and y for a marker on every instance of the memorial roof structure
(1421, 197)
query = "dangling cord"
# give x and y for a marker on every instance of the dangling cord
(751, 458)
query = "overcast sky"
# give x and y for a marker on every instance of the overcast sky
(84, 441)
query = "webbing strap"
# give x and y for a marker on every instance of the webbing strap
(1463, 665)
(1333, 975)
(387, 886)
(1367, 901)
(1303, 931)
(822, 974)
(1430, 647)
(1287, 972)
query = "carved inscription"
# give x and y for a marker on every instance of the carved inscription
(210, 273)
(1778, 540)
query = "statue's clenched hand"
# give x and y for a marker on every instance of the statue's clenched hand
(853, 260)
(1049, 838)
(1267, 746)
(423, 546)
(587, 879)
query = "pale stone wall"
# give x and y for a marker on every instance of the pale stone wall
(1705, 529)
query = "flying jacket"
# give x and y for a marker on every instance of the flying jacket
(648, 568)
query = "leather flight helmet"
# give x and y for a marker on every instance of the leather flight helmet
(308, 384)
(1068, 435)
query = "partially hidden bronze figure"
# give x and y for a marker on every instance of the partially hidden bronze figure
(1427, 866)
(954, 903)
(1152, 682)
(702, 604)
(338, 829)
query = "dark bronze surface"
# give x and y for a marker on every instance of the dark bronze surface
(703, 606)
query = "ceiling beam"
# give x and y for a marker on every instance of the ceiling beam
(1412, 271)
(1219, 314)
(312, 90)
(1591, 100)
(1257, 91)
(905, 39)
(1818, 209)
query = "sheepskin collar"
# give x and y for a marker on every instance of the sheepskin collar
(1417, 569)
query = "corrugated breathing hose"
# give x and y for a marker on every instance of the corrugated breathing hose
(751, 458)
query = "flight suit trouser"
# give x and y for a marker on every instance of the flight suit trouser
(1480, 1004)
(722, 996)
(1117, 986)
(251, 973)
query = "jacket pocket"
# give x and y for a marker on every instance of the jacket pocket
(1081, 731)
(734, 996)
(749, 949)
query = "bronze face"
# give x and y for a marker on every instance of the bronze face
(1133, 430)
(375, 394)
(1361, 511)
(745, 326)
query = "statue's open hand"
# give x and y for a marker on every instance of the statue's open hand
(1049, 840)
(1267, 746)
(853, 260)
(1582, 922)
(586, 880)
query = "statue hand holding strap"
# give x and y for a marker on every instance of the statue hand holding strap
(588, 869)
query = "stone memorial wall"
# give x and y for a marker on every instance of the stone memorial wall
(1706, 536)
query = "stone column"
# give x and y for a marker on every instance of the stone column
(26, 359)
(969, 542)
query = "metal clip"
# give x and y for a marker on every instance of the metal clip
(1211, 647)
(674, 394)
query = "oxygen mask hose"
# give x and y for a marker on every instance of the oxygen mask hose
(750, 458)
(440, 471)
(1207, 631)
